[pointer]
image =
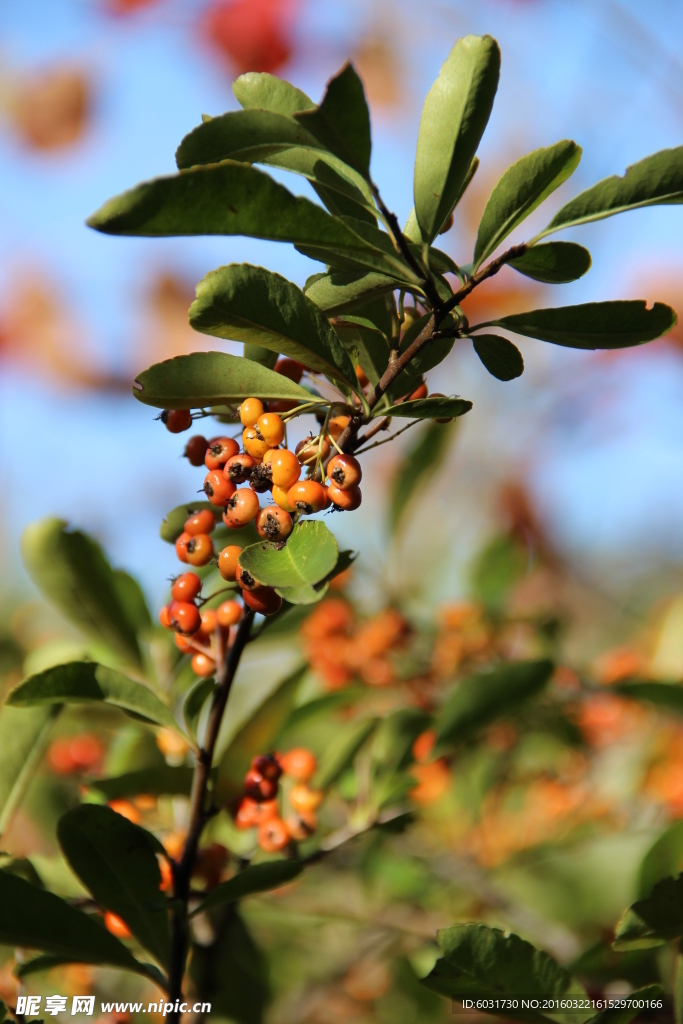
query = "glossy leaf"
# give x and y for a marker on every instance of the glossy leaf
(454, 116)
(342, 121)
(231, 973)
(500, 357)
(261, 355)
(479, 961)
(341, 752)
(666, 696)
(592, 325)
(167, 780)
(663, 858)
(429, 408)
(367, 347)
(412, 228)
(656, 180)
(211, 378)
(253, 305)
(523, 187)
(86, 682)
(24, 736)
(260, 90)
(37, 919)
(553, 262)
(653, 920)
(230, 198)
(195, 703)
(254, 879)
(71, 570)
(257, 733)
(342, 292)
(481, 699)
(309, 555)
(419, 464)
(116, 862)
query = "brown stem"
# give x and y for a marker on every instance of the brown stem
(199, 815)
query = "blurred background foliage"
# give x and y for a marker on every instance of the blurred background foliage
(549, 524)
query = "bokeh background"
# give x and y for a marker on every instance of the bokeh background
(96, 94)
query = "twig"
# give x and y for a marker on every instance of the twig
(361, 451)
(402, 246)
(199, 815)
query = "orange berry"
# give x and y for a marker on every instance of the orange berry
(165, 617)
(285, 468)
(433, 780)
(166, 871)
(203, 521)
(291, 368)
(304, 799)
(263, 600)
(219, 450)
(307, 451)
(171, 744)
(299, 762)
(344, 471)
(348, 500)
(116, 925)
(280, 498)
(174, 843)
(362, 377)
(307, 496)
(337, 425)
(186, 587)
(199, 549)
(246, 813)
(208, 625)
(183, 643)
(239, 468)
(86, 751)
(217, 487)
(273, 835)
(301, 826)
(245, 579)
(420, 392)
(59, 758)
(241, 508)
(273, 523)
(227, 562)
(195, 450)
(250, 410)
(228, 614)
(203, 665)
(181, 546)
(332, 615)
(176, 420)
(424, 744)
(271, 428)
(185, 617)
(126, 809)
(254, 444)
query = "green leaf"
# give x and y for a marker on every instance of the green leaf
(592, 325)
(72, 572)
(342, 121)
(260, 90)
(167, 780)
(116, 862)
(500, 357)
(412, 228)
(24, 736)
(366, 346)
(429, 408)
(37, 919)
(419, 464)
(501, 564)
(86, 682)
(344, 291)
(256, 735)
(231, 973)
(553, 263)
(341, 751)
(133, 601)
(665, 857)
(454, 116)
(194, 704)
(309, 555)
(261, 355)
(483, 698)
(653, 920)
(523, 187)
(481, 962)
(655, 181)
(254, 879)
(211, 378)
(253, 305)
(665, 696)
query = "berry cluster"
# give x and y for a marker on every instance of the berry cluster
(259, 808)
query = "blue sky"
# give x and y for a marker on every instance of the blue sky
(607, 74)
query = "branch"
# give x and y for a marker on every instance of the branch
(199, 814)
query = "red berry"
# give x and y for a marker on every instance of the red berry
(343, 471)
(266, 765)
(200, 549)
(219, 450)
(176, 420)
(195, 450)
(238, 469)
(203, 521)
(263, 600)
(291, 368)
(181, 546)
(185, 617)
(274, 523)
(165, 617)
(240, 508)
(259, 788)
(218, 488)
(245, 580)
(186, 587)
